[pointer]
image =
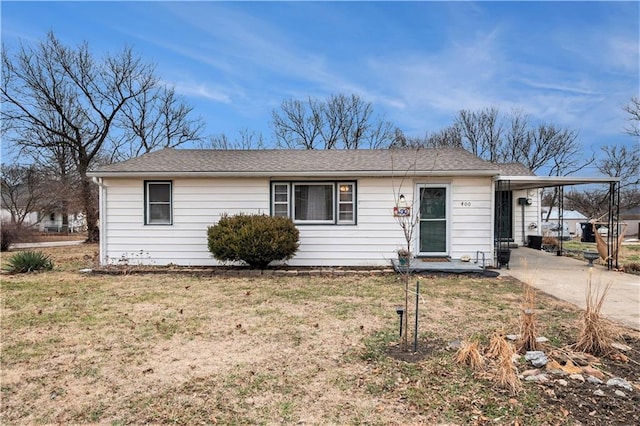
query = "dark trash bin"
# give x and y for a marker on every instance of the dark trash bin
(534, 242)
(504, 256)
(587, 233)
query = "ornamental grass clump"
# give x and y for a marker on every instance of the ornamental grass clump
(503, 353)
(28, 261)
(528, 327)
(596, 335)
(470, 355)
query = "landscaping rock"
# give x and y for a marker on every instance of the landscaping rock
(539, 378)
(541, 339)
(620, 382)
(598, 392)
(590, 371)
(562, 382)
(512, 337)
(594, 380)
(454, 345)
(620, 393)
(536, 358)
(577, 377)
(620, 347)
(528, 373)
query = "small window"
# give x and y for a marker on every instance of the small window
(345, 203)
(158, 203)
(280, 199)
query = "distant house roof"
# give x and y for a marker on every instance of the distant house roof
(515, 169)
(379, 162)
(566, 214)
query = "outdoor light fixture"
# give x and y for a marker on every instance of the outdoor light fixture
(400, 312)
(401, 200)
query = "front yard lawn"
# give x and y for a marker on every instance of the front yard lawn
(175, 348)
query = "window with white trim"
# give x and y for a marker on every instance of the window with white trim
(158, 203)
(328, 203)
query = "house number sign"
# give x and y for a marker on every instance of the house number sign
(402, 211)
(466, 204)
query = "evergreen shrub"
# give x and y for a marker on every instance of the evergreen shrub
(254, 239)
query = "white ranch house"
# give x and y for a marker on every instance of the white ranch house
(155, 209)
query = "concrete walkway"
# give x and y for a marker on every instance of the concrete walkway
(46, 244)
(566, 278)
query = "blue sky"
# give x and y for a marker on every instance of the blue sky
(574, 64)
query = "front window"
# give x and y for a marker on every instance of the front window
(315, 202)
(158, 203)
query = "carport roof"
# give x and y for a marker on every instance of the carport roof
(534, 182)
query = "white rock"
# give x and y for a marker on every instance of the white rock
(594, 380)
(537, 358)
(541, 339)
(598, 392)
(620, 382)
(620, 347)
(577, 377)
(620, 393)
(562, 382)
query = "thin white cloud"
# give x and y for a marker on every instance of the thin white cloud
(201, 90)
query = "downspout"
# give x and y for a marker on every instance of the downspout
(102, 203)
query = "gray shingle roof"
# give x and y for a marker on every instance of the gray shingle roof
(299, 162)
(515, 169)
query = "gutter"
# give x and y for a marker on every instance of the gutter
(311, 174)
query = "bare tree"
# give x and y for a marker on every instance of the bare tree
(23, 191)
(246, 139)
(633, 109)
(339, 122)
(157, 118)
(68, 97)
(481, 132)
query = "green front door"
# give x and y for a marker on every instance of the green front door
(433, 220)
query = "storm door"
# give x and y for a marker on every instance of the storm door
(433, 220)
(504, 215)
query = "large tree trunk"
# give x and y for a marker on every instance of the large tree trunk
(90, 211)
(89, 203)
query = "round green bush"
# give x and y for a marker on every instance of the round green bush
(254, 239)
(28, 261)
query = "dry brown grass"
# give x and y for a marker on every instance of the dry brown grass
(596, 334)
(528, 325)
(502, 352)
(174, 348)
(469, 354)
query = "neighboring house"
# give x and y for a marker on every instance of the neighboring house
(52, 222)
(49, 221)
(155, 209)
(632, 218)
(571, 219)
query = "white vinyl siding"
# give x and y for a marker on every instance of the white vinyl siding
(199, 202)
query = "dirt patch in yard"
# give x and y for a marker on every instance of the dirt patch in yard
(170, 348)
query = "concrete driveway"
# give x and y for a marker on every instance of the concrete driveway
(566, 278)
